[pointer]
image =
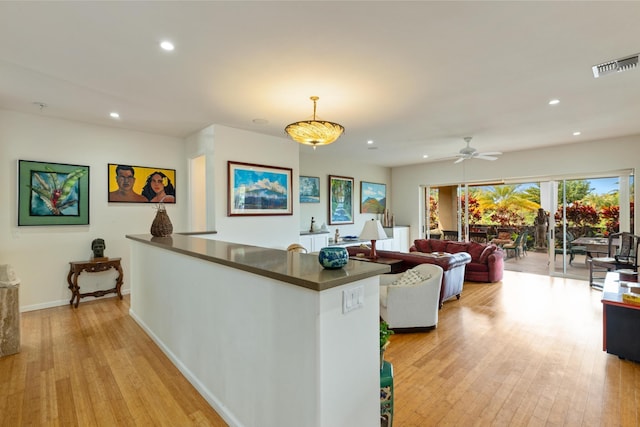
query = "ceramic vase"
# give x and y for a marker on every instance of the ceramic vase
(333, 257)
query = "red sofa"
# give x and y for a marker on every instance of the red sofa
(487, 261)
(453, 267)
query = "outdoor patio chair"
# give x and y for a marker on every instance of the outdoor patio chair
(450, 235)
(572, 250)
(623, 255)
(516, 246)
(478, 236)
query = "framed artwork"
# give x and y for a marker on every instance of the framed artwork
(52, 193)
(258, 190)
(309, 189)
(373, 197)
(340, 200)
(141, 184)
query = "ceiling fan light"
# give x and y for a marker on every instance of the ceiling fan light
(314, 132)
(469, 152)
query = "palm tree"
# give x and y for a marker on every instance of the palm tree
(505, 198)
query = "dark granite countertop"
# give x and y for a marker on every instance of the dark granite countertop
(290, 267)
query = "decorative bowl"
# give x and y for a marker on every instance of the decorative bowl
(333, 258)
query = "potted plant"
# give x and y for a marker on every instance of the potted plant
(385, 333)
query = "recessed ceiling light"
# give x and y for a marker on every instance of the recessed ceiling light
(167, 45)
(554, 102)
(424, 156)
(576, 133)
(369, 142)
(114, 115)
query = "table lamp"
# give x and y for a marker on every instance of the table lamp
(373, 231)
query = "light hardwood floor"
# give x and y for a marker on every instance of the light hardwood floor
(94, 366)
(524, 352)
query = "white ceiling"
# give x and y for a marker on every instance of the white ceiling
(415, 77)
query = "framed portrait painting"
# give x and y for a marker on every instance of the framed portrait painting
(141, 184)
(309, 189)
(52, 193)
(340, 200)
(373, 197)
(258, 190)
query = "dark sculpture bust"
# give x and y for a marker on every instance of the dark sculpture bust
(98, 246)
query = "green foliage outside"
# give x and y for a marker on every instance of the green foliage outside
(517, 205)
(505, 205)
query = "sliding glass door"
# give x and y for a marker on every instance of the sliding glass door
(586, 211)
(554, 214)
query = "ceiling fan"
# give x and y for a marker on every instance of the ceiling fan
(471, 153)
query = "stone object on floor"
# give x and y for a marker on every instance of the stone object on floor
(9, 311)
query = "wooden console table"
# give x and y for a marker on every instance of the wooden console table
(392, 262)
(620, 321)
(94, 266)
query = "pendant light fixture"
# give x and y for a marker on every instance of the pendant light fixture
(314, 132)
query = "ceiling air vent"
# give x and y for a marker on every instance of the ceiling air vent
(615, 66)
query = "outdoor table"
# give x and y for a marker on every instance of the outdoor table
(595, 245)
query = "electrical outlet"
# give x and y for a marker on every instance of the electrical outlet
(352, 298)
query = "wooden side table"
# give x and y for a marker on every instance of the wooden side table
(620, 320)
(93, 266)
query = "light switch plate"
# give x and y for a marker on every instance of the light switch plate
(352, 299)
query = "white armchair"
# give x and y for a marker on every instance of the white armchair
(413, 305)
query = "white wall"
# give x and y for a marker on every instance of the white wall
(322, 165)
(222, 144)
(573, 159)
(40, 255)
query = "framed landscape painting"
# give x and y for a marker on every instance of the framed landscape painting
(340, 200)
(373, 197)
(52, 193)
(258, 190)
(309, 189)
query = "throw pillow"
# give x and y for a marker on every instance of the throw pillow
(484, 257)
(410, 277)
(455, 247)
(438, 246)
(475, 249)
(422, 245)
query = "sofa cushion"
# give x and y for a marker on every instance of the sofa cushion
(438, 246)
(455, 247)
(484, 257)
(423, 245)
(477, 266)
(475, 250)
(410, 277)
(383, 295)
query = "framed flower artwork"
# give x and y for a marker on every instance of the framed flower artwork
(52, 193)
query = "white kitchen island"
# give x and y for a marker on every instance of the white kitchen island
(262, 333)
